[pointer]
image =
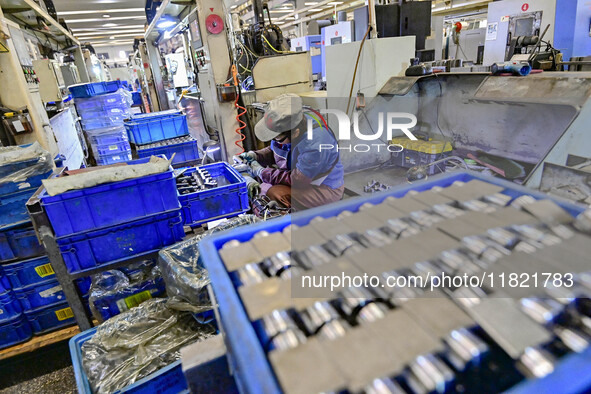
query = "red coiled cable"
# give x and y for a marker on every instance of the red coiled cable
(242, 123)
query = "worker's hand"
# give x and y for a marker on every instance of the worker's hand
(253, 187)
(248, 157)
(255, 169)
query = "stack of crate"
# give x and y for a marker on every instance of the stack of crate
(31, 300)
(163, 133)
(102, 108)
(104, 225)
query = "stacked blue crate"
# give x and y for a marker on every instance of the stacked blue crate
(163, 133)
(112, 222)
(28, 285)
(102, 115)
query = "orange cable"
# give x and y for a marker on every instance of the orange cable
(242, 123)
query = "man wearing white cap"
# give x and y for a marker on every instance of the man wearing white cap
(306, 176)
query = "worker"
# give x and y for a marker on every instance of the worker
(293, 170)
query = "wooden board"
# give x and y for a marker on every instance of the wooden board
(39, 342)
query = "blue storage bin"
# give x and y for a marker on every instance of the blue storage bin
(111, 204)
(121, 157)
(151, 129)
(10, 168)
(253, 372)
(115, 112)
(31, 182)
(50, 318)
(101, 123)
(13, 209)
(9, 306)
(154, 115)
(136, 97)
(109, 136)
(169, 379)
(19, 242)
(112, 149)
(99, 103)
(83, 285)
(113, 305)
(229, 199)
(14, 331)
(40, 294)
(95, 88)
(29, 272)
(4, 282)
(186, 150)
(95, 248)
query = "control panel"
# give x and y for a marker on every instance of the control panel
(30, 75)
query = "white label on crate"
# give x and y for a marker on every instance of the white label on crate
(50, 292)
(18, 126)
(113, 147)
(116, 157)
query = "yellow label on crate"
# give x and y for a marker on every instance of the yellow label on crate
(44, 270)
(136, 299)
(64, 314)
(113, 147)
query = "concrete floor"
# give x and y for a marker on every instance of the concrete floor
(47, 370)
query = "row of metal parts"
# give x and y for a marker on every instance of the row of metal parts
(554, 324)
(199, 180)
(172, 141)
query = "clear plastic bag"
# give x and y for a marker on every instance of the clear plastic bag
(119, 290)
(180, 265)
(107, 110)
(136, 343)
(21, 163)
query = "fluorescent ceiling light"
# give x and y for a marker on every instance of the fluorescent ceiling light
(314, 9)
(280, 11)
(107, 36)
(311, 3)
(335, 3)
(114, 11)
(290, 18)
(234, 6)
(106, 16)
(109, 25)
(126, 27)
(111, 38)
(109, 32)
(119, 18)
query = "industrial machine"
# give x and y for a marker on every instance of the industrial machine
(516, 27)
(70, 74)
(51, 82)
(312, 44)
(409, 18)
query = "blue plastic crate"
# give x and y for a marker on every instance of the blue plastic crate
(13, 209)
(30, 182)
(115, 112)
(99, 103)
(29, 272)
(112, 149)
(14, 331)
(253, 372)
(102, 123)
(113, 305)
(154, 115)
(95, 88)
(10, 168)
(109, 136)
(19, 242)
(9, 306)
(106, 160)
(152, 129)
(95, 248)
(111, 204)
(83, 285)
(229, 199)
(184, 152)
(40, 294)
(50, 318)
(136, 98)
(169, 379)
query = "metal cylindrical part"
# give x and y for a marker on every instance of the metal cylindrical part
(431, 373)
(465, 348)
(333, 329)
(318, 314)
(276, 264)
(287, 340)
(383, 386)
(537, 362)
(251, 274)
